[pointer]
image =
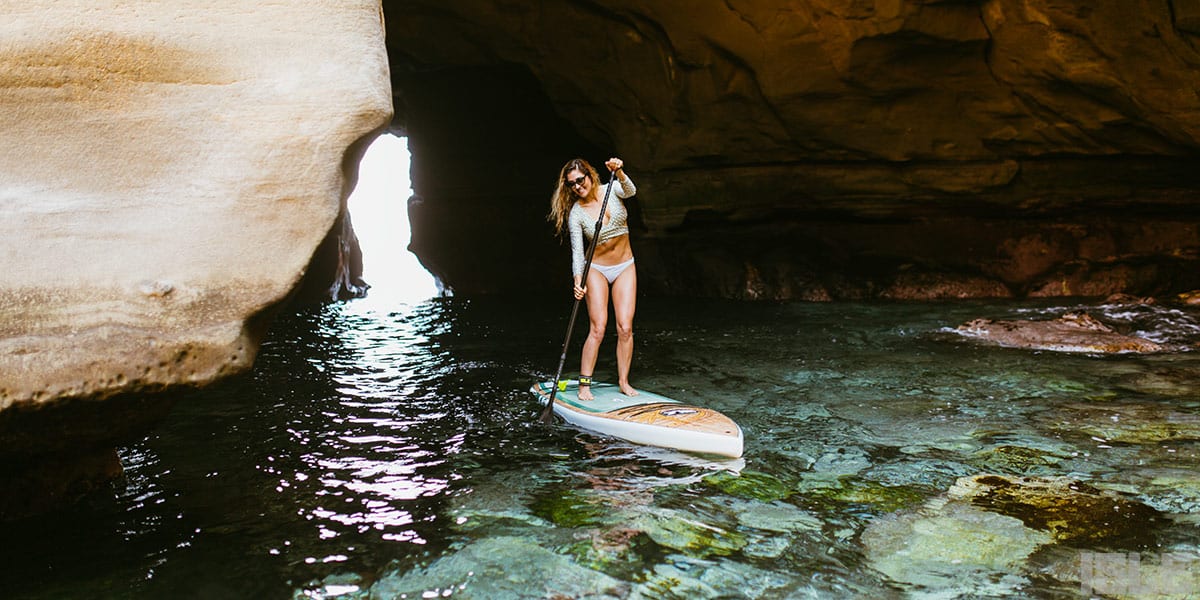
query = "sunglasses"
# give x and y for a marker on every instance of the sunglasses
(578, 181)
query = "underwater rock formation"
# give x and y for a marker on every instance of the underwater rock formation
(1072, 511)
(167, 172)
(986, 526)
(945, 544)
(1123, 423)
(818, 150)
(502, 567)
(1072, 332)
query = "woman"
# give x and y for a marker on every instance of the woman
(576, 206)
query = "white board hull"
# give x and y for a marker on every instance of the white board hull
(648, 419)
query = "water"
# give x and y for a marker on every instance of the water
(390, 449)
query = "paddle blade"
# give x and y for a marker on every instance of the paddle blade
(547, 415)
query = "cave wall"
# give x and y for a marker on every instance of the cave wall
(817, 150)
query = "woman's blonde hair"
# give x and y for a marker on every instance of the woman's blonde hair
(563, 198)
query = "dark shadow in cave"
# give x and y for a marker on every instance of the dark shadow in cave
(486, 149)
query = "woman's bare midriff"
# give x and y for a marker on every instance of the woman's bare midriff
(613, 252)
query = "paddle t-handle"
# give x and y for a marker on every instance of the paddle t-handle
(548, 411)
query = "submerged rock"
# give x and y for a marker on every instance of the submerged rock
(1015, 459)
(1073, 332)
(572, 508)
(856, 491)
(1164, 574)
(705, 579)
(778, 517)
(1071, 511)
(620, 552)
(1167, 380)
(1171, 490)
(945, 543)
(986, 526)
(497, 568)
(1128, 423)
(683, 533)
(750, 484)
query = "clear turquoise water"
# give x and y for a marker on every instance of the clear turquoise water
(392, 450)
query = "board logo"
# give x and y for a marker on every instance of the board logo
(675, 412)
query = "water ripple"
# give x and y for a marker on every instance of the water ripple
(376, 450)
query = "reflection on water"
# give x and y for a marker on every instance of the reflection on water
(394, 450)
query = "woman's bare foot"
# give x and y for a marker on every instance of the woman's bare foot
(628, 390)
(585, 388)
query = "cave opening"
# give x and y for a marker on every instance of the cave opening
(378, 208)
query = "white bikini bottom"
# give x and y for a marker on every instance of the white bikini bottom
(611, 272)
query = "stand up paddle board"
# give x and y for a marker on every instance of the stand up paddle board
(647, 418)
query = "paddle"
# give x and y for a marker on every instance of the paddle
(548, 411)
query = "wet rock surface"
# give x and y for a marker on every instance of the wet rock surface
(1072, 332)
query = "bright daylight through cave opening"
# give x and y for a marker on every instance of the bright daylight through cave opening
(379, 210)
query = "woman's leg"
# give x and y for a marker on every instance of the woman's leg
(597, 307)
(624, 296)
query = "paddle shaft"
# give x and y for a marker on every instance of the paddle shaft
(548, 411)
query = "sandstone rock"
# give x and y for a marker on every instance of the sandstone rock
(1130, 299)
(943, 286)
(164, 184)
(167, 171)
(1073, 332)
(818, 150)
